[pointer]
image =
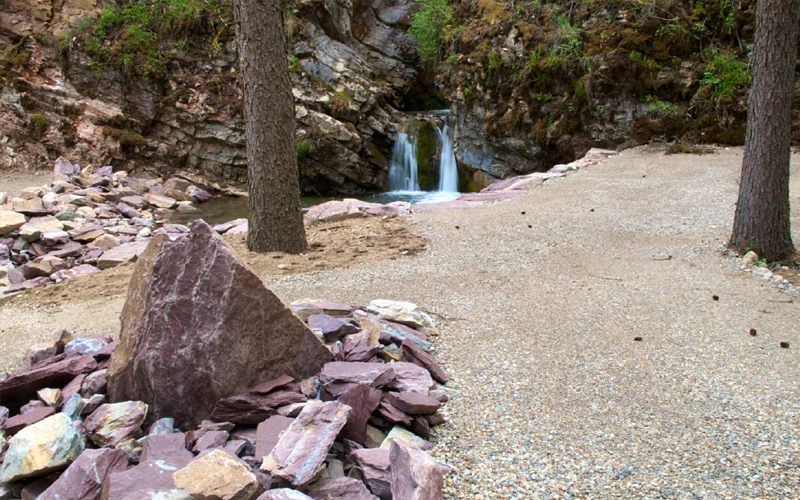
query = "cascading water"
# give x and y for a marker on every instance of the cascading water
(448, 170)
(403, 170)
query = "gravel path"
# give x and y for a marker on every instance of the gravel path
(553, 398)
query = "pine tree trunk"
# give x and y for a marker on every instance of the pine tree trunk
(762, 220)
(276, 222)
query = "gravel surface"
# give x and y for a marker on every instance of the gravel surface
(551, 395)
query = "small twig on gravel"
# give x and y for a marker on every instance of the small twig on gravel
(605, 277)
(668, 257)
(781, 301)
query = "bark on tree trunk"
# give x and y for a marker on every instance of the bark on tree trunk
(275, 222)
(762, 214)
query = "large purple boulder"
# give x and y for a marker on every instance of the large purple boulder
(199, 325)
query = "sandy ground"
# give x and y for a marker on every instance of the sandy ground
(14, 182)
(552, 396)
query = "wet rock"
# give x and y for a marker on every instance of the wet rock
(413, 403)
(338, 376)
(268, 433)
(218, 476)
(43, 447)
(83, 480)
(376, 466)
(343, 488)
(30, 417)
(166, 336)
(22, 387)
(419, 357)
(402, 312)
(302, 448)
(415, 475)
(114, 423)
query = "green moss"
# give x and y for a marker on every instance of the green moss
(128, 140)
(37, 126)
(303, 148)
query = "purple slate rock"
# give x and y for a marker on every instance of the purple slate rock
(54, 237)
(421, 427)
(83, 480)
(65, 167)
(106, 351)
(27, 284)
(93, 404)
(393, 414)
(413, 403)
(332, 328)
(69, 249)
(267, 387)
(23, 387)
(36, 488)
(73, 387)
(15, 276)
(30, 406)
(94, 383)
(284, 494)
(415, 475)
(341, 488)
(213, 439)
(167, 334)
(162, 426)
(415, 355)
(85, 345)
(338, 376)
(121, 254)
(241, 228)
(128, 211)
(16, 424)
(91, 256)
(147, 480)
(268, 433)
(252, 408)
(375, 464)
(362, 401)
(303, 447)
(409, 377)
(165, 447)
(198, 194)
(193, 436)
(236, 447)
(226, 226)
(363, 354)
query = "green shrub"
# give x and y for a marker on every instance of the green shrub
(661, 107)
(304, 148)
(426, 28)
(37, 126)
(726, 74)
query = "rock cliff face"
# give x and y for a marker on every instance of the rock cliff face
(351, 62)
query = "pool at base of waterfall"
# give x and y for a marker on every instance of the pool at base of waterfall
(221, 210)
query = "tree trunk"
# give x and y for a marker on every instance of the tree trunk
(762, 219)
(276, 222)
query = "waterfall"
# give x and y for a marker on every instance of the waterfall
(448, 170)
(403, 171)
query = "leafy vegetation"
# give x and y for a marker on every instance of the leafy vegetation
(303, 148)
(724, 76)
(427, 26)
(141, 37)
(37, 126)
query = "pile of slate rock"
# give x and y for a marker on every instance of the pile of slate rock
(85, 221)
(356, 430)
